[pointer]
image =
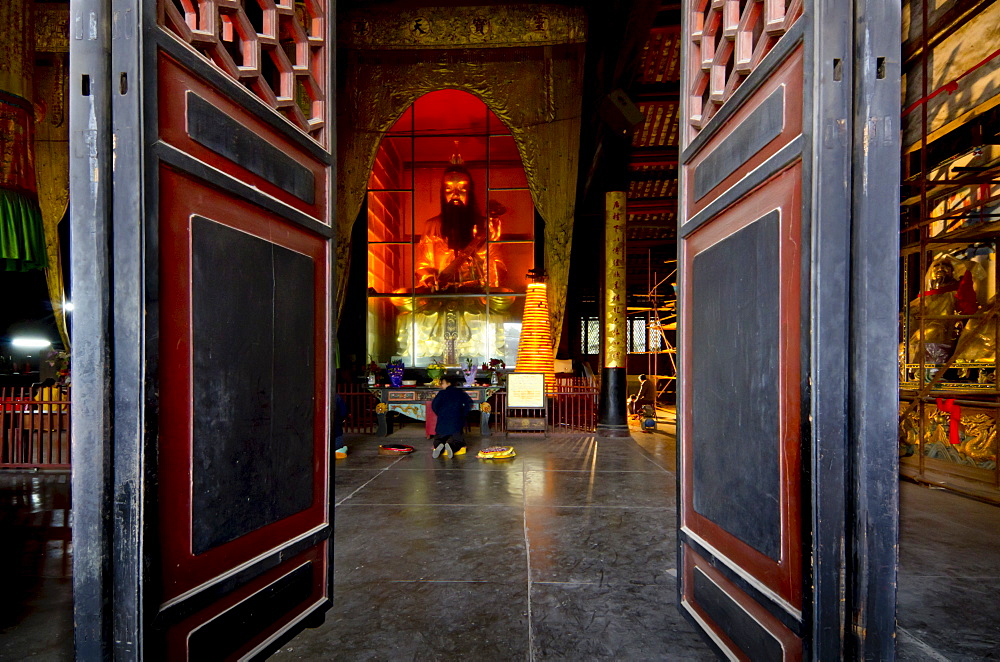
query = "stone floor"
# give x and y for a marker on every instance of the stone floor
(948, 605)
(565, 552)
(36, 619)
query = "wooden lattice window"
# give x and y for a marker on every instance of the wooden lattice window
(729, 38)
(590, 336)
(275, 48)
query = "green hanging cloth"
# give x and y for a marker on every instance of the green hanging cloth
(22, 239)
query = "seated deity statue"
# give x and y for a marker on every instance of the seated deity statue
(452, 258)
(978, 341)
(946, 295)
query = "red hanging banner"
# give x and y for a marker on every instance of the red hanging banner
(17, 164)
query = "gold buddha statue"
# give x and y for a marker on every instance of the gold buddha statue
(454, 258)
(978, 341)
(945, 295)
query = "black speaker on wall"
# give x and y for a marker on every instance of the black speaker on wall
(618, 111)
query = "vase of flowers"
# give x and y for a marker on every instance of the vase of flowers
(435, 371)
(371, 371)
(493, 370)
(395, 369)
(470, 372)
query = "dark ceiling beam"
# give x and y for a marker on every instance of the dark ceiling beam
(645, 244)
(667, 167)
(651, 206)
(669, 91)
(661, 157)
(668, 18)
(663, 234)
(613, 57)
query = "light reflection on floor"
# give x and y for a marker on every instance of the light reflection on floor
(36, 558)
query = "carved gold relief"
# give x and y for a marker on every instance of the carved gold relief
(535, 92)
(51, 29)
(938, 428)
(16, 46)
(979, 438)
(976, 436)
(463, 27)
(909, 432)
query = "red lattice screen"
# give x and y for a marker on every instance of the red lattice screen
(275, 48)
(728, 39)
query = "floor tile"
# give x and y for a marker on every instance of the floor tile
(600, 488)
(444, 486)
(419, 621)
(348, 481)
(602, 545)
(36, 617)
(944, 534)
(628, 622)
(603, 455)
(957, 617)
(441, 543)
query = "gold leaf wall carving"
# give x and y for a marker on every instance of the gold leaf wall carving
(16, 46)
(463, 27)
(52, 174)
(535, 90)
(977, 435)
(51, 28)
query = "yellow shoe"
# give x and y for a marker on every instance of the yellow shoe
(461, 451)
(496, 453)
(340, 453)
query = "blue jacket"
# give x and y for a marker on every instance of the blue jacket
(451, 406)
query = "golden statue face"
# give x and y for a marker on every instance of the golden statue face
(942, 272)
(456, 189)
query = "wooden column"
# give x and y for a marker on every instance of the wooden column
(613, 418)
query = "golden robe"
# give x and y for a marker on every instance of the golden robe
(430, 323)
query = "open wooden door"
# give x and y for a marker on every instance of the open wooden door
(788, 233)
(204, 346)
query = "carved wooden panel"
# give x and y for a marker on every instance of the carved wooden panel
(729, 38)
(275, 48)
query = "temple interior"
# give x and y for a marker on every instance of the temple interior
(273, 208)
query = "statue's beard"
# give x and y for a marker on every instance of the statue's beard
(457, 222)
(938, 283)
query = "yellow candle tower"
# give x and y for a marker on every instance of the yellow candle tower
(534, 354)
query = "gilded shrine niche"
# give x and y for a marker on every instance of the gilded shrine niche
(450, 236)
(525, 63)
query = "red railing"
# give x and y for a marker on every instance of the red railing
(361, 418)
(34, 434)
(572, 407)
